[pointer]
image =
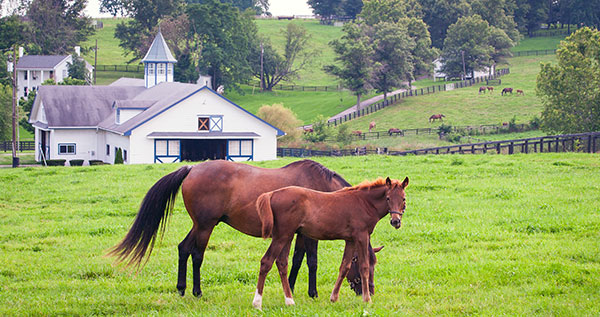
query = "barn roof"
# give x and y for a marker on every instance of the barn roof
(159, 51)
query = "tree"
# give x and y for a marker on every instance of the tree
(570, 90)
(481, 44)
(77, 69)
(116, 7)
(119, 156)
(326, 8)
(499, 14)
(227, 36)
(56, 26)
(5, 112)
(26, 106)
(257, 6)
(375, 11)
(530, 14)
(440, 14)
(392, 57)
(423, 54)
(354, 52)
(283, 118)
(276, 67)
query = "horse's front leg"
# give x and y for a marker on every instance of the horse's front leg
(362, 248)
(299, 251)
(344, 268)
(311, 247)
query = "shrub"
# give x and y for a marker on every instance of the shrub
(60, 162)
(344, 137)
(119, 156)
(535, 123)
(96, 162)
(512, 125)
(283, 118)
(76, 162)
(321, 130)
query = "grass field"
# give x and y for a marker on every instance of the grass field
(461, 107)
(484, 235)
(109, 52)
(538, 43)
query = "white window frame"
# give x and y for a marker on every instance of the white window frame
(67, 145)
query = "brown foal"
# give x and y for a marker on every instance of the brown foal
(348, 214)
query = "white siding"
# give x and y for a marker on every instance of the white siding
(184, 118)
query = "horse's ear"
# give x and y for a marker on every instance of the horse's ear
(388, 182)
(377, 249)
(405, 182)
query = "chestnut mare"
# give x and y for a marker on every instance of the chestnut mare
(348, 214)
(221, 191)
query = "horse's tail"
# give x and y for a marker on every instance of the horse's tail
(155, 209)
(265, 213)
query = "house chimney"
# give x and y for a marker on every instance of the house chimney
(78, 50)
(20, 51)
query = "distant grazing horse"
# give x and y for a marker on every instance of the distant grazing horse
(506, 91)
(308, 130)
(490, 89)
(358, 133)
(372, 125)
(482, 88)
(395, 131)
(349, 214)
(230, 200)
(520, 92)
(436, 117)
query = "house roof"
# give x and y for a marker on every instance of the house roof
(81, 106)
(40, 61)
(159, 51)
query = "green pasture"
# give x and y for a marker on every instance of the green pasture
(464, 106)
(483, 235)
(109, 51)
(538, 43)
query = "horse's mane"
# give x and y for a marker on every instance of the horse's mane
(317, 167)
(366, 184)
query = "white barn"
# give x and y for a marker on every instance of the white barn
(154, 120)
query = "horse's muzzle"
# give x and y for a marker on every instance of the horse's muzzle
(396, 223)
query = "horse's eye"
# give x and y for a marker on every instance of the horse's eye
(387, 198)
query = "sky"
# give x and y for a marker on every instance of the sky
(277, 7)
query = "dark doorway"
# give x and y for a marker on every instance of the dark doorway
(200, 150)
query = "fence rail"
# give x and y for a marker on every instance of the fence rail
(534, 53)
(120, 68)
(6, 146)
(580, 142)
(394, 98)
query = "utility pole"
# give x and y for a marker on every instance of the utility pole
(262, 51)
(464, 68)
(95, 60)
(15, 159)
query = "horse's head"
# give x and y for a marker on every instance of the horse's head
(396, 200)
(353, 276)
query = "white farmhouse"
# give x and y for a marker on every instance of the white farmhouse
(33, 70)
(154, 120)
(438, 64)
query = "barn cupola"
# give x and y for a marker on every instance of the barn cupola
(158, 62)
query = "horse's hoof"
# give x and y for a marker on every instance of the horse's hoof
(197, 293)
(181, 292)
(313, 294)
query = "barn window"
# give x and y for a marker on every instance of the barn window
(125, 155)
(150, 69)
(240, 148)
(66, 148)
(169, 69)
(107, 149)
(161, 69)
(216, 123)
(203, 123)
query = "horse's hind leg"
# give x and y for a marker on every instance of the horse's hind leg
(299, 251)
(185, 249)
(311, 247)
(344, 268)
(201, 239)
(282, 264)
(266, 263)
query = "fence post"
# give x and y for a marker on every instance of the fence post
(498, 147)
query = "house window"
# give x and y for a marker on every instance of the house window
(65, 74)
(25, 75)
(25, 91)
(66, 148)
(125, 155)
(51, 74)
(203, 123)
(107, 149)
(150, 69)
(118, 118)
(161, 69)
